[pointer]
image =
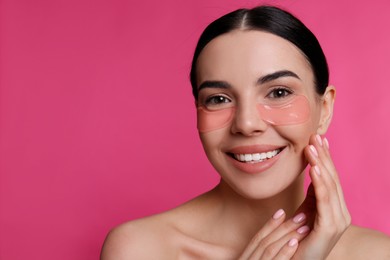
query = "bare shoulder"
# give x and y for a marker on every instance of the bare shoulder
(134, 239)
(179, 233)
(363, 243)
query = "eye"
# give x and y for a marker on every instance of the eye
(216, 100)
(279, 93)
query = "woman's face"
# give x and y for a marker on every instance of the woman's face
(240, 70)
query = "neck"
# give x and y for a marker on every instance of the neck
(247, 216)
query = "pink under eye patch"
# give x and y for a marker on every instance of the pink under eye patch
(295, 111)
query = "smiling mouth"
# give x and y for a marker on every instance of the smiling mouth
(255, 157)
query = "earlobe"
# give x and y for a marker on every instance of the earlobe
(327, 103)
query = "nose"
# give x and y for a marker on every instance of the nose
(247, 121)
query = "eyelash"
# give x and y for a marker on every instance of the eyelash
(216, 100)
(221, 99)
(286, 92)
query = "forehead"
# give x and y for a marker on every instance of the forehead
(242, 56)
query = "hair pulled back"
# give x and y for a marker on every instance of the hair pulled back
(273, 20)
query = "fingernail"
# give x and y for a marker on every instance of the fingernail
(313, 149)
(317, 170)
(319, 140)
(303, 230)
(278, 214)
(293, 242)
(299, 218)
(326, 143)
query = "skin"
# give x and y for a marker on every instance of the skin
(241, 218)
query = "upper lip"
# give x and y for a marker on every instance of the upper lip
(252, 149)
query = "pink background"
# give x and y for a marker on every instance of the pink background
(97, 123)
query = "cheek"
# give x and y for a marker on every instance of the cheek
(299, 135)
(211, 143)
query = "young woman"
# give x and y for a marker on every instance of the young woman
(260, 82)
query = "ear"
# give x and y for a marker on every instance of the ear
(327, 102)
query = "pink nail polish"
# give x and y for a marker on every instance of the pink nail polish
(299, 218)
(278, 214)
(303, 230)
(313, 149)
(326, 143)
(293, 242)
(319, 140)
(317, 170)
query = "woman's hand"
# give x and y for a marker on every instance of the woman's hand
(278, 239)
(324, 204)
(326, 212)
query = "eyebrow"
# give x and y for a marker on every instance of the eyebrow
(214, 84)
(264, 79)
(276, 75)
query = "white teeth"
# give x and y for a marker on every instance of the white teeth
(256, 157)
(248, 157)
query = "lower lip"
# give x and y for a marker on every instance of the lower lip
(254, 168)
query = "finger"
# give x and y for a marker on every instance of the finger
(328, 162)
(272, 243)
(331, 218)
(316, 157)
(275, 248)
(276, 220)
(288, 250)
(325, 157)
(325, 188)
(322, 148)
(327, 201)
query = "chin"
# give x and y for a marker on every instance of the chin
(261, 191)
